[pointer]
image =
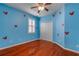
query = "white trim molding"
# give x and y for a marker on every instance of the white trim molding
(67, 48)
(18, 44)
(40, 39)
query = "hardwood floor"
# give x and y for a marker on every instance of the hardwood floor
(37, 48)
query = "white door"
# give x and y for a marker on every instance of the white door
(46, 31)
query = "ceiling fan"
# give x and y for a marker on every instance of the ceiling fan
(41, 6)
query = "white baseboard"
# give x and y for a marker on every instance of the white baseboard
(67, 48)
(36, 39)
(17, 44)
(64, 47)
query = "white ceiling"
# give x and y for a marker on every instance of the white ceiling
(26, 7)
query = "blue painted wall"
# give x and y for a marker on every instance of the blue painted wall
(46, 18)
(72, 26)
(59, 26)
(69, 17)
(66, 26)
(17, 34)
(62, 22)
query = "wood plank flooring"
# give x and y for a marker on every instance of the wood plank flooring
(37, 48)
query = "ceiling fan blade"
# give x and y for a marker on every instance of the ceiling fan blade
(34, 7)
(46, 9)
(48, 3)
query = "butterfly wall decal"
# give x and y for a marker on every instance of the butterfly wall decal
(66, 33)
(5, 37)
(5, 12)
(72, 13)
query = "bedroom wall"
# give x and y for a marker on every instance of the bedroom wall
(14, 26)
(66, 26)
(57, 18)
(59, 26)
(72, 26)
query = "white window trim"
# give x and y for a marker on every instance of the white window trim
(31, 26)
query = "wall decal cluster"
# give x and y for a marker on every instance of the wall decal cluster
(15, 26)
(66, 33)
(62, 24)
(24, 15)
(12, 19)
(4, 38)
(66, 21)
(5, 12)
(59, 12)
(71, 13)
(53, 15)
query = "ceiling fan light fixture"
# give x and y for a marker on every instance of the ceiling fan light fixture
(41, 8)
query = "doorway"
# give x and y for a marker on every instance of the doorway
(46, 29)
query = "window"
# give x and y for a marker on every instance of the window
(31, 26)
